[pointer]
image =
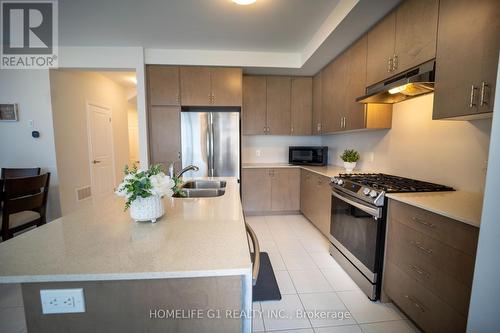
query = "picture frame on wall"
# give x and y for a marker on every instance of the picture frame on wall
(9, 112)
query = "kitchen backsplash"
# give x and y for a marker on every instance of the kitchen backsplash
(272, 148)
(449, 152)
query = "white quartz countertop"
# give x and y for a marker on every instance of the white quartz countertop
(196, 237)
(462, 206)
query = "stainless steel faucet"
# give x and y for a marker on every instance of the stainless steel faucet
(186, 169)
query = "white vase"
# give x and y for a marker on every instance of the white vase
(349, 166)
(147, 209)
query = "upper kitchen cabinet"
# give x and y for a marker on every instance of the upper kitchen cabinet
(278, 105)
(301, 105)
(467, 58)
(226, 86)
(254, 105)
(333, 94)
(316, 106)
(416, 33)
(211, 86)
(163, 85)
(405, 38)
(164, 124)
(381, 49)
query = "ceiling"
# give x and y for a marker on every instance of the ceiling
(285, 36)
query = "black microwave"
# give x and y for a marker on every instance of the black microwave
(308, 155)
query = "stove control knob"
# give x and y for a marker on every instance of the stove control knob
(373, 193)
(366, 191)
(340, 182)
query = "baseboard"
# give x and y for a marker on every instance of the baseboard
(288, 212)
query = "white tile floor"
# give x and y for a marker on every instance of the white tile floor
(310, 279)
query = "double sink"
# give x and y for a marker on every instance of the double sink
(202, 189)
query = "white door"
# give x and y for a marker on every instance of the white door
(101, 150)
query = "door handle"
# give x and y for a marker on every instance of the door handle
(96, 161)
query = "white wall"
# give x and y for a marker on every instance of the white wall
(71, 90)
(449, 152)
(31, 90)
(272, 149)
(485, 298)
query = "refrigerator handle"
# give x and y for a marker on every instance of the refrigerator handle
(211, 143)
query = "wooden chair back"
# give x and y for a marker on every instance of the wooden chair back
(19, 172)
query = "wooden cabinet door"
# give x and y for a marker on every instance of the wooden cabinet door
(226, 86)
(278, 105)
(416, 33)
(305, 193)
(467, 47)
(316, 107)
(165, 135)
(195, 86)
(355, 81)
(380, 49)
(163, 85)
(254, 105)
(323, 201)
(301, 105)
(256, 190)
(333, 94)
(285, 189)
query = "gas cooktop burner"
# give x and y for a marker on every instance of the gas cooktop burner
(392, 184)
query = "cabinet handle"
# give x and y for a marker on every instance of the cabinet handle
(427, 224)
(213, 98)
(472, 96)
(319, 127)
(415, 303)
(344, 121)
(341, 122)
(483, 91)
(395, 63)
(421, 248)
(292, 129)
(419, 271)
(389, 65)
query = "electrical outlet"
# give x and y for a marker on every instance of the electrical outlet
(62, 301)
(257, 152)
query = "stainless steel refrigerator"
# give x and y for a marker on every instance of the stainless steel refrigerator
(211, 141)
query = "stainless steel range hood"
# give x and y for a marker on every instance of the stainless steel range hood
(409, 84)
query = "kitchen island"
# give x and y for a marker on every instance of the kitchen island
(196, 257)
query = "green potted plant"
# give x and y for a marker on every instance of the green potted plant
(350, 157)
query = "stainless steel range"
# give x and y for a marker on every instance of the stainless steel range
(357, 227)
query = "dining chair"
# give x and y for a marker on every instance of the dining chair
(19, 172)
(24, 203)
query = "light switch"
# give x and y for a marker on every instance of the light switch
(257, 152)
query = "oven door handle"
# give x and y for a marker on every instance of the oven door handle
(375, 212)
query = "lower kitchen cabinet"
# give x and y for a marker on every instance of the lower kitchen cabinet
(315, 200)
(429, 267)
(270, 190)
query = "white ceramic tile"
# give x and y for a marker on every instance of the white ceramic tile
(399, 326)
(276, 260)
(10, 295)
(339, 279)
(255, 220)
(12, 320)
(297, 260)
(309, 281)
(339, 329)
(366, 311)
(315, 244)
(282, 315)
(302, 330)
(288, 245)
(326, 309)
(284, 282)
(268, 245)
(257, 320)
(323, 260)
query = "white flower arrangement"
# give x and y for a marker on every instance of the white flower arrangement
(139, 183)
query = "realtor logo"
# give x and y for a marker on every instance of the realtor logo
(29, 34)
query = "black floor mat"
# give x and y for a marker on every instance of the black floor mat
(266, 288)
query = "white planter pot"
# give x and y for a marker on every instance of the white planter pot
(147, 209)
(349, 166)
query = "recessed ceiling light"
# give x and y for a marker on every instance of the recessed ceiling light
(244, 2)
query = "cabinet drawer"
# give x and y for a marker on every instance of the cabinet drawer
(426, 309)
(428, 250)
(458, 235)
(456, 294)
